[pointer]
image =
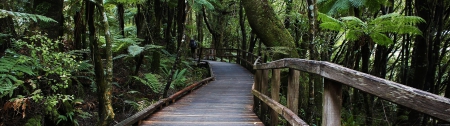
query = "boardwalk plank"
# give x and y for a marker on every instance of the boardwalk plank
(227, 101)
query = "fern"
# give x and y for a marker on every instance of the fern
(152, 81)
(10, 69)
(135, 50)
(198, 4)
(25, 16)
(377, 28)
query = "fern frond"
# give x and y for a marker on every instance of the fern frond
(198, 4)
(135, 50)
(26, 16)
(353, 35)
(357, 3)
(381, 39)
(339, 5)
(331, 26)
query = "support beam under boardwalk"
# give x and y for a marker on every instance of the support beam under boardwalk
(227, 101)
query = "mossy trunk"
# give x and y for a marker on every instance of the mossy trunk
(268, 27)
(104, 81)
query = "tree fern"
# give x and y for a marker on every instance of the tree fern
(332, 7)
(377, 28)
(198, 4)
(25, 16)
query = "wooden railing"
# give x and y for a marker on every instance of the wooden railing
(134, 119)
(334, 76)
(244, 58)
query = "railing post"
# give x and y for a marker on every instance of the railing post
(275, 94)
(293, 90)
(332, 103)
(256, 86)
(264, 90)
(238, 54)
(199, 55)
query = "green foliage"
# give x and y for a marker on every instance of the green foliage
(152, 81)
(198, 4)
(25, 16)
(140, 105)
(12, 70)
(332, 7)
(377, 29)
(179, 79)
(35, 121)
(135, 50)
(47, 72)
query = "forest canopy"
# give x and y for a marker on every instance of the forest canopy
(96, 62)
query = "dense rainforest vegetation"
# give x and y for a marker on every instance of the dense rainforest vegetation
(97, 62)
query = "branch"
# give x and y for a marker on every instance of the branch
(207, 22)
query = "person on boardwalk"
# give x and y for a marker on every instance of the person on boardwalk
(193, 45)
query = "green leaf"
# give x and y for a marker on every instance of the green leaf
(135, 50)
(381, 39)
(26, 16)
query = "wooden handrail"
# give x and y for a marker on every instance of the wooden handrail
(335, 75)
(242, 57)
(165, 102)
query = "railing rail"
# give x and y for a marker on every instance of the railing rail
(242, 57)
(334, 77)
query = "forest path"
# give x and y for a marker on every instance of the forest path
(226, 101)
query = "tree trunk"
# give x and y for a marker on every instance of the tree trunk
(315, 81)
(180, 30)
(264, 22)
(106, 111)
(243, 31)
(54, 10)
(121, 10)
(170, 45)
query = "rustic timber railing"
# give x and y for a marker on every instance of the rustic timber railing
(244, 58)
(334, 76)
(134, 119)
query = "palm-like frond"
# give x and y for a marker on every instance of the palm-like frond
(330, 23)
(380, 38)
(25, 16)
(198, 4)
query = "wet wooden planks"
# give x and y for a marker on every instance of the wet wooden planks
(227, 101)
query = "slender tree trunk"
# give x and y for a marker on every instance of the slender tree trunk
(170, 47)
(180, 30)
(315, 81)
(121, 11)
(287, 21)
(106, 111)
(242, 24)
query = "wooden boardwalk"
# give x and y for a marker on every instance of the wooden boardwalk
(225, 101)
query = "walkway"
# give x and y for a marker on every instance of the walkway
(225, 101)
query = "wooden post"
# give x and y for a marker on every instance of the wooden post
(256, 86)
(238, 53)
(199, 56)
(275, 95)
(332, 103)
(264, 90)
(293, 90)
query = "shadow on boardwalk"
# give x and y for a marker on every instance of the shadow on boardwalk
(225, 101)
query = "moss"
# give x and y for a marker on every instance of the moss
(268, 27)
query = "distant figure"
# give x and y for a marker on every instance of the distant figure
(193, 45)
